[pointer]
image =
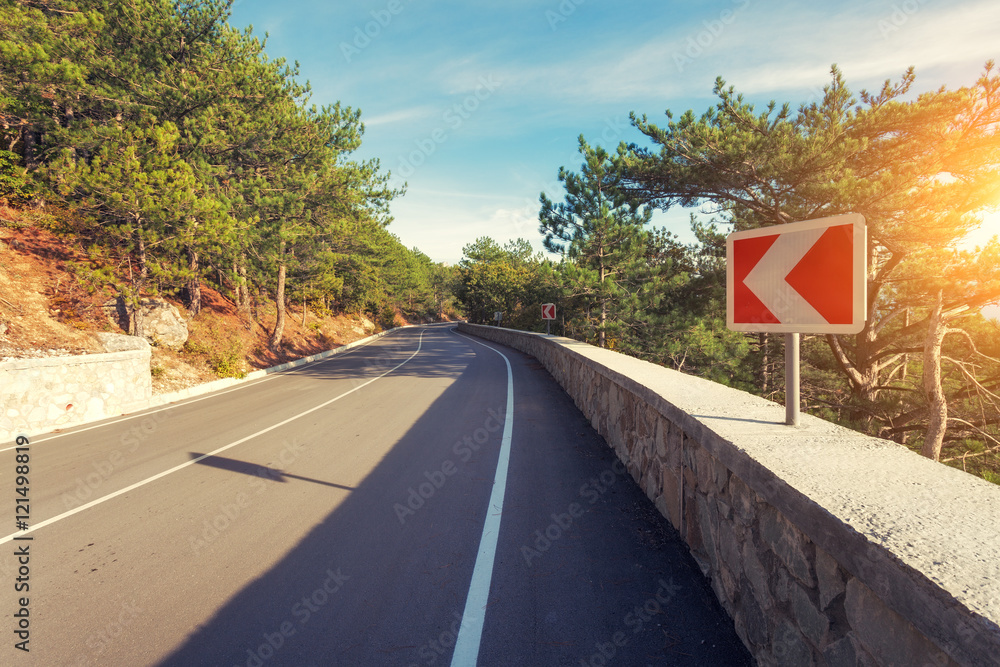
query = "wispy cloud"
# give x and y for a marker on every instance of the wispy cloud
(764, 52)
(869, 48)
(582, 76)
(401, 116)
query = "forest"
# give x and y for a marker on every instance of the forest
(923, 169)
(180, 155)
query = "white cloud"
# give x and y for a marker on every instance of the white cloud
(400, 116)
(445, 221)
(762, 50)
(869, 48)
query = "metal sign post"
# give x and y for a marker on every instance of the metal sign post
(548, 314)
(792, 379)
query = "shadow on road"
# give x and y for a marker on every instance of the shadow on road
(264, 472)
(382, 580)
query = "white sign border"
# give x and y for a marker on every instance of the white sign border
(859, 270)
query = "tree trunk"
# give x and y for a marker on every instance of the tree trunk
(29, 139)
(242, 289)
(136, 327)
(193, 283)
(601, 336)
(279, 301)
(864, 373)
(937, 406)
(140, 246)
(906, 357)
(765, 361)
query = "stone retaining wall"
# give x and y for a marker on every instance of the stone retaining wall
(38, 395)
(41, 394)
(826, 546)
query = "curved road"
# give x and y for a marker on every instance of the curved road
(348, 513)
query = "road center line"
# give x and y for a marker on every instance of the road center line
(470, 632)
(102, 499)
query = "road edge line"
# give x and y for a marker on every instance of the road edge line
(136, 485)
(470, 631)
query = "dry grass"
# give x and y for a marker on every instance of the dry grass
(46, 309)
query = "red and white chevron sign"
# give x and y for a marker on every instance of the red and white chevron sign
(801, 277)
(548, 311)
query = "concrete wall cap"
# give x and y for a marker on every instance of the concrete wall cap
(893, 518)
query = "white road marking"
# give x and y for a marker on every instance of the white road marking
(71, 431)
(102, 499)
(185, 401)
(470, 632)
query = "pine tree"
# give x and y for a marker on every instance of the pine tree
(600, 230)
(919, 171)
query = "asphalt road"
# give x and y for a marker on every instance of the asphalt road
(334, 515)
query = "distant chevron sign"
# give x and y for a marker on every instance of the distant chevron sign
(800, 277)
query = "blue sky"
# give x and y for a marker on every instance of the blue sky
(476, 105)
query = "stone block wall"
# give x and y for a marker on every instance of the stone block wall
(827, 547)
(40, 394)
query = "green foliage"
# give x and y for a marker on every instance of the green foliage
(14, 186)
(509, 279)
(920, 171)
(386, 317)
(230, 360)
(196, 347)
(188, 156)
(599, 231)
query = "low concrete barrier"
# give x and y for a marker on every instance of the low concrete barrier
(50, 392)
(39, 395)
(826, 546)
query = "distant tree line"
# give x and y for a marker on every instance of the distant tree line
(922, 169)
(185, 156)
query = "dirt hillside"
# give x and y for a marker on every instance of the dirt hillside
(46, 310)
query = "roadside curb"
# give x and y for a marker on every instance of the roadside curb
(162, 400)
(225, 383)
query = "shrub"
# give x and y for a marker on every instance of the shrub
(14, 186)
(195, 347)
(230, 362)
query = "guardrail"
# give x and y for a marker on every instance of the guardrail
(825, 546)
(38, 395)
(51, 392)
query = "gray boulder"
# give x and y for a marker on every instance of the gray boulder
(162, 323)
(113, 342)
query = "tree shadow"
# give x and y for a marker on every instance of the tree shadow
(256, 470)
(382, 579)
(334, 597)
